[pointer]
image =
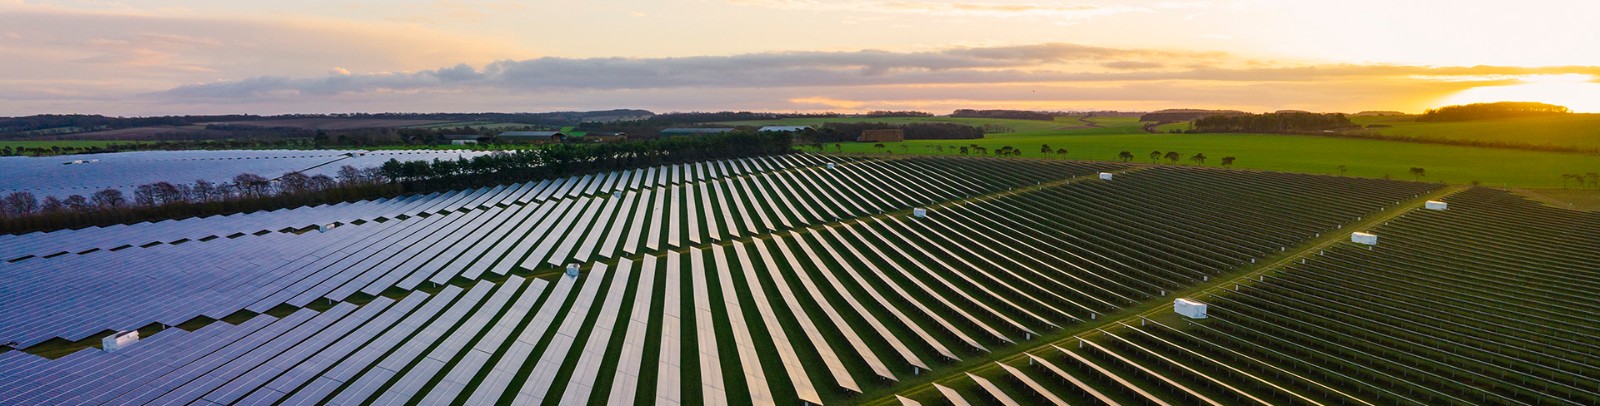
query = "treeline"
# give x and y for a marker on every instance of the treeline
(1176, 115)
(56, 124)
(22, 212)
(1279, 122)
(1478, 111)
(849, 132)
(1010, 114)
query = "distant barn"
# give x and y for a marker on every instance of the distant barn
(894, 135)
(532, 136)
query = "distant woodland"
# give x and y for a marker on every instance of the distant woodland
(1479, 111)
(1279, 122)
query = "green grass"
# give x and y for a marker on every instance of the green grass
(1577, 130)
(1290, 153)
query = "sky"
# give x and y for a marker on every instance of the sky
(161, 57)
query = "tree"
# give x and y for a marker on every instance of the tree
(1418, 173)
(1227, 161)
(1568, 176)
(964, 150)
(21, 204)
(78, 203)
(1061, 152)
(254, 186)
(349, 175)
(108, 199)
(1343, 169)
(52, 205)
(878, 146)
(203, 191)
(296, 182)
(1594, 179)
(1154, 155)
(1173, 156)
(1044, 149)
(1125, 156)
(1198, 158)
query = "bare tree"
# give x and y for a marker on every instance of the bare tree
(294, 182)
(78, 203)
(108, 199)
(52, 205)
(21, 203)
(252, 185)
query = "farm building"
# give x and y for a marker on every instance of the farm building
(1189, 308)
(465, 139)
(894, 135)
(120, 340)
(532, 136)
(1364, 238)
(692, 132)
(785, 128)
(1436, 205)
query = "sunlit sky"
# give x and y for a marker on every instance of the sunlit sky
(323, 56)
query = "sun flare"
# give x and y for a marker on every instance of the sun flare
(1576, 91)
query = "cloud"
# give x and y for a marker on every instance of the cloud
(1058, 13)
(1043, 63)
(1131, 65)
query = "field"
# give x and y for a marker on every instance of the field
(1576, 130)
(1292, 153)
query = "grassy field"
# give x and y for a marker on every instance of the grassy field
(1305, 154)
(1577, 130)
(1289, 153)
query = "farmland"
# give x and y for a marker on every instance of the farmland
(808, 278)
(1575, 130)
(1290, 153)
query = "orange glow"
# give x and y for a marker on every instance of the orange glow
(1578, 92)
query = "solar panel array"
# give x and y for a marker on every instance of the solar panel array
(752, 303)
(1487, 302)
(51, 176)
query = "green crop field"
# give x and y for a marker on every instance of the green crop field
(1291, 153)
(1577, 130)
(1305, 154)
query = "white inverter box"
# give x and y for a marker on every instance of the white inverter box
(120, 340)
(1105, 175)
(1436, 205)
(919, 212)
(1364, 238)
(1189, 308)
(572, 270)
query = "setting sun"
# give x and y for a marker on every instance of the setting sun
(1575, 91)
